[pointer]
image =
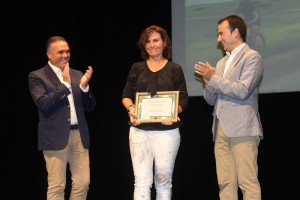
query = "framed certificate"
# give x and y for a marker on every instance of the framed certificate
(155, 108)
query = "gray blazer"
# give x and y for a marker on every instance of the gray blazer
(235, 95)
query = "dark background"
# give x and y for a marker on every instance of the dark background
(104, 35)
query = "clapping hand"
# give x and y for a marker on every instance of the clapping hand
(205, 70)
(86, 77)
(66, 73)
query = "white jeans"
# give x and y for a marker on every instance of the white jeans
(153, 147)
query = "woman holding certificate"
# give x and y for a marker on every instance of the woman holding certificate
(154, 142)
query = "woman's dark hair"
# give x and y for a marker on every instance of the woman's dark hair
(236, 22)
(167, 52)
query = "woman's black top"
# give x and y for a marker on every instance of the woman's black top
(169, 78)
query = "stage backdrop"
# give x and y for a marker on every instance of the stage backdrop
(194, 30)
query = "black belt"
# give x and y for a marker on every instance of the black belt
(74, 127)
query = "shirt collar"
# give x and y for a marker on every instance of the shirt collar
(236, 50)
(56, 70)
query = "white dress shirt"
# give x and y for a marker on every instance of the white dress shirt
(232, 56)
(58, 72)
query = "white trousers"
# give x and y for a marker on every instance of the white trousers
(158, 149)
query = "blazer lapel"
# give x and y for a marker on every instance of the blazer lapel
(221, 70)
(52, 76)
(236, 60)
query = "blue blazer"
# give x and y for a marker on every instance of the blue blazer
(235, 95)
(51, 99)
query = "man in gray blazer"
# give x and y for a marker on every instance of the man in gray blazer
(62, 96)
(233, 89)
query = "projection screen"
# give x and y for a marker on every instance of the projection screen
(194, 38)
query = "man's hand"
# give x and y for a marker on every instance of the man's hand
(66, 74)
(86, 77)
(205, 70)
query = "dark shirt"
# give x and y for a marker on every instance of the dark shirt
(169, 78)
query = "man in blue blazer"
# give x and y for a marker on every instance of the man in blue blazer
(62, 96)
(233, 89)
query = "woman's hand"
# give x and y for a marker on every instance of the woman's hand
(133, 118)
